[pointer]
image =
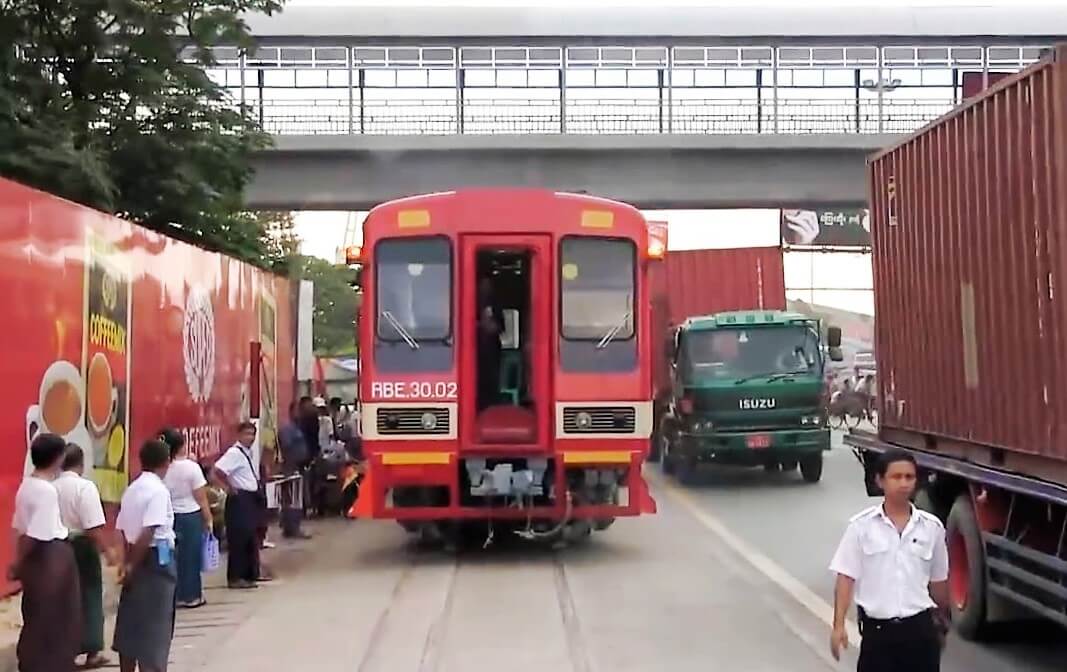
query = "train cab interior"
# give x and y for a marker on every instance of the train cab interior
(504, 328)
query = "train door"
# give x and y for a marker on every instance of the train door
(504, 335)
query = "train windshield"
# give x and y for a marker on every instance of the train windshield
(597, 281)
(414, 290)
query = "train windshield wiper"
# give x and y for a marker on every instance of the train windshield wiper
(614, 331)
(395, 324)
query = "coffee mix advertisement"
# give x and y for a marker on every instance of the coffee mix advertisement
(106, 366)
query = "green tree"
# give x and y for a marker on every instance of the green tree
(107, 102)
(336, 303)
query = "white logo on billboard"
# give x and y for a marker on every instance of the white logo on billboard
(198, 344)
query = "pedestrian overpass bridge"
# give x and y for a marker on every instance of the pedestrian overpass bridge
(680, 108)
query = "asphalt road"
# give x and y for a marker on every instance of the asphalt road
(797, 526)
(730, 574)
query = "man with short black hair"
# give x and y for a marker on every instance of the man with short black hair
(144, 625)
(294, 452)
(82, 513)
(237, 473)
(44, 564)
(894, 559)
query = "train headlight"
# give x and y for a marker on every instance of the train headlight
(583, 421)
(429, 421)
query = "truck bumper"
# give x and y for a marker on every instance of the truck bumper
(737, 447)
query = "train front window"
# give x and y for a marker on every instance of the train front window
(597, 280)
(413, 300)
(597, 304)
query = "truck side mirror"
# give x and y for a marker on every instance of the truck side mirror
(835, 354)
(833, 337)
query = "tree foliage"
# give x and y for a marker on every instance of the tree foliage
(107, 102)
(336, 303)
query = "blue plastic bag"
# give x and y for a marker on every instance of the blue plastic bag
(211, 553)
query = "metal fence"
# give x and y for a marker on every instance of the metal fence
(593, 116)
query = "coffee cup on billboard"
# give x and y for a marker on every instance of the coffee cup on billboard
(103, 397)
(59, 409)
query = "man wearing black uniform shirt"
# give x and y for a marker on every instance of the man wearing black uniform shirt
(894, 559)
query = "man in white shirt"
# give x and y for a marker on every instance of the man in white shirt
(238, 474)
(894, 560)
(82, 514)
(44, 564)
(145, 622)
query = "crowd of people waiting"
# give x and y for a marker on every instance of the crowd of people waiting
(165, 518)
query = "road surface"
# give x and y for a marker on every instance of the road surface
(731, 572)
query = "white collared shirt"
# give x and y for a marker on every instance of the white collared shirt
(146, 503)
(37, 510)
(80, 507)
(237, 463)
(184, 477)
(892, 570)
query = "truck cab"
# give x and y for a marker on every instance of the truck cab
(748, 389)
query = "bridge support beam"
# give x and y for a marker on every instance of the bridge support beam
(649, 171)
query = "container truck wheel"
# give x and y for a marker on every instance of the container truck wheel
(811, 468)
(967, 571)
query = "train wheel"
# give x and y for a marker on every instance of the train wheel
(967, 571)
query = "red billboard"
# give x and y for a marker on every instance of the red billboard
(113, 331)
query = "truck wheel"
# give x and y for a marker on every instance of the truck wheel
(655, 450)
(686, 469)
(666, 459)
(811, 468)
(966, 569)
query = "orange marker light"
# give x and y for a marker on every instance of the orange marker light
(598, 219)
(413, 219)
(657, 240)
(353, 255)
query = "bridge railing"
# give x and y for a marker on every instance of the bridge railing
(593, 116)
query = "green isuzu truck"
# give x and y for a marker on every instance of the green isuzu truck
(747, 388)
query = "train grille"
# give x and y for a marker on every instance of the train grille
(599, 420)
(401, 421)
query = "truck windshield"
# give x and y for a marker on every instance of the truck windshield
(597, 289)
(413, 278)
(737, 353)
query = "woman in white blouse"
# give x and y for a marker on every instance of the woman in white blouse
(192, 518)
(44, 564)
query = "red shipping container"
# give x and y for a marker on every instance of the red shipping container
(699, 282)
(114, 331)
(969, 220)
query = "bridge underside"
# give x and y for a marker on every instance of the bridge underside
(679, 171)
